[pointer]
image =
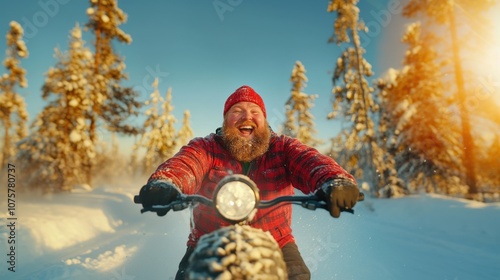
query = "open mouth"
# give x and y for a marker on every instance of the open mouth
(246, 130)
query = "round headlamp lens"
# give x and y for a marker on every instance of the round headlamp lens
(235, 200)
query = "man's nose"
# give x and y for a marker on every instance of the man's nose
(246, 115)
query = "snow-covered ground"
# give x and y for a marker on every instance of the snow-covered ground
(100, 234)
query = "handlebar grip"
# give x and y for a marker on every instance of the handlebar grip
(137, 199)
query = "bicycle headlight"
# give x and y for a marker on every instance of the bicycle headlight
(236, 198)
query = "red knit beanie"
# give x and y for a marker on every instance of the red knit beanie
(244, 94)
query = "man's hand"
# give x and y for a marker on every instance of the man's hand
(340, 194)
(158, 193)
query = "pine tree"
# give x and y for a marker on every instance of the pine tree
(353, 94)
(445, 13)
(300, 122)
(159, 137)
(420, 126)
(111, 102)
(59, 149)
(391, 185)
(13, 114)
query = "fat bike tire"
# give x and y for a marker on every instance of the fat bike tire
(237, 252)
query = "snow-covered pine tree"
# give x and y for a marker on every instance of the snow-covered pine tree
(352, 95)
(58, 150)
(487, 144)
(13, 114)
(391, 185)
(299, 121)
(111, 102)
(420, 128)
(159, 137)
(451, 14)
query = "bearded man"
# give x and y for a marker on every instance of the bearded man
(276, 163)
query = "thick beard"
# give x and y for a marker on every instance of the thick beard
(243, 149)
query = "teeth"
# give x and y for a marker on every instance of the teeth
(246, 127)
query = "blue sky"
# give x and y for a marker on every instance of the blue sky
(204, 53)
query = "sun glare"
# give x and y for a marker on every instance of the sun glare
(488, 65)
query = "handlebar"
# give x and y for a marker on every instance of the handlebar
(311, 202)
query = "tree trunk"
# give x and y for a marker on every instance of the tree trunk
(6, 145)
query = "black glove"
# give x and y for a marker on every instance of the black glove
(339, 194)
(158, 193)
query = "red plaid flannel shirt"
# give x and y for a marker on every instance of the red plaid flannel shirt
(201, 164)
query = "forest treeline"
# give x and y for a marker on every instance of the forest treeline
(413, 129)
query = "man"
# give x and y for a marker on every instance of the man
(246, 145)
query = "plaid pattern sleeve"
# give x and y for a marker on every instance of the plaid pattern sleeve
(308, 168)
(188, 167)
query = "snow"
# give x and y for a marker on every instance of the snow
(100, 234)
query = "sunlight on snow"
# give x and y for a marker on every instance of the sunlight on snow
(70, 226)
(473, 204)
(106, 261)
